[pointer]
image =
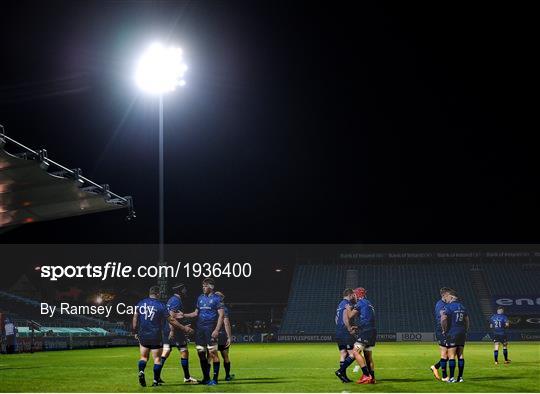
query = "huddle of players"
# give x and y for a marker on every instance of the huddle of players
(156, 330)
(451, 326)
(356, 335)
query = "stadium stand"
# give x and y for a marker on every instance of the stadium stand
(505, 279)
(403, 294)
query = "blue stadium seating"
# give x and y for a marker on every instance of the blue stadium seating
(511, 279)
(403, 294)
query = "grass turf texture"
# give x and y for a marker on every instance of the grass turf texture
(400, 367)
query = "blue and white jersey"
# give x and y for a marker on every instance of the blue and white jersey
(498, 324)
(208, 306)
(439, 306)
(456, 313)
(341, 329)
(175, 304)
(366, 317)
(152, 315)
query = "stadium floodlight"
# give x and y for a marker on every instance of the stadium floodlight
(160, 69)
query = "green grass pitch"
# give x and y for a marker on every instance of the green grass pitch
(400, 367)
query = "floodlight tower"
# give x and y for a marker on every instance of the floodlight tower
(160, 70)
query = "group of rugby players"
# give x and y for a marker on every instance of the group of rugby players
(158, 326)
(356, 335)
(356, 340)
(451, 326)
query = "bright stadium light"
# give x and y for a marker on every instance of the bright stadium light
(160, 69)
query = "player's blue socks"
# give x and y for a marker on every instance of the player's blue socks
(205, 368)
(443, 367)
(438, 365)
(185, 367)
(365, 371)
(371, 372)
(345, 364)
(496, 355)
(163, 359)
(216, 371)
(157, 372)
(505, 354)
(452, 365)
(227, 367)
(142, 365)
(461, 367)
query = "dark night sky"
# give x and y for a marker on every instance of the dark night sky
(299, 123)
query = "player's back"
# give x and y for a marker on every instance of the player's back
(456, 314)
(366, 317)
(174, 304)
(151, 316)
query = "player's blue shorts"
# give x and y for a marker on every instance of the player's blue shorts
(440, 338)
(151, 343)
(454, 339)
(345, 341)
(203, 336)
(501, 338)
(368, 338)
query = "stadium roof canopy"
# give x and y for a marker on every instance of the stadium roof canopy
(34, 188)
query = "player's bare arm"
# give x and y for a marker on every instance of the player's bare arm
(347, 316)
(185, 328)
(193, 314)
(135, 324)
(444, 322)
(228, 329)
(221, 315)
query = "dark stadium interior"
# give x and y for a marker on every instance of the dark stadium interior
(327, 146)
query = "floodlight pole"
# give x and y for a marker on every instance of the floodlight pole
(161, 186)
(162, 280)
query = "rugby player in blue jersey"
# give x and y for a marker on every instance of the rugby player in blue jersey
(439, 337)
(224, 339)
(148, 322)
(366, 334)
(455, 325)
(209, 313)
(345, 341)
(177, 337)
(499, 323)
